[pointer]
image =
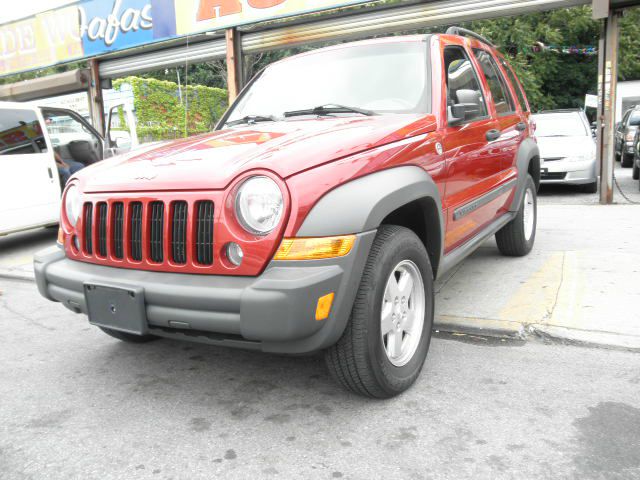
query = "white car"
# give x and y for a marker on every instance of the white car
(567, 149)
(30, 182)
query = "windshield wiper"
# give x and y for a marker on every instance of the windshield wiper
(251, 119)
(328, 109)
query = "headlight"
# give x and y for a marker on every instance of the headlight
(259, 205)
(630, 137)
(72, 204)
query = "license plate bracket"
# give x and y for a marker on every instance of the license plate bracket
(116, 307)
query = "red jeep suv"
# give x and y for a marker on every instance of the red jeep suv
(316, 217)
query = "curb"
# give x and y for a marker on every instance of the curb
(480, 326)
(587, 337)
(17, 275)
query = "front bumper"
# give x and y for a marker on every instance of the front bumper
(273, 312)
(569, 172)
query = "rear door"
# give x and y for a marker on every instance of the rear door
(472, 161)
(511, 122)
(29, 185)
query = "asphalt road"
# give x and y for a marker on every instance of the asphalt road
(75, 403)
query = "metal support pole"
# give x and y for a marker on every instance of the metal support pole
(234, 63)
(96, 105)
(607, 83)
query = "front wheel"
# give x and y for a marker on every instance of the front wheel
(590, 187)
(636, 170)
(516, 238)
(385, 343)
(626, 160)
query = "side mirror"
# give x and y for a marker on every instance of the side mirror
(461, 112)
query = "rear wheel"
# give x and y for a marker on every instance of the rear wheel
(626, 160)
(128, 337)
(385, 343)
(636, 170)
(516, 238)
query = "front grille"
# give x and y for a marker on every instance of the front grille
(204, 233)
(88, 228)
(102, 229)
(179, 233)
(553, 175)
(136, 231)
(158, 232)
(118, 230)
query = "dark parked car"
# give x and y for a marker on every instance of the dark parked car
(636, 157)
(625, 133)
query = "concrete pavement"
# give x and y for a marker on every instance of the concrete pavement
(77, 404)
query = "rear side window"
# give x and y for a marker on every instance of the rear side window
(634, 120)
(516, 85)
(20, 132)
(463, 86)
(499, 91)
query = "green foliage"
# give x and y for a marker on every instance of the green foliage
(163, 111)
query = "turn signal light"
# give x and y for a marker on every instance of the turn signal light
(314, 248)
(60, 236)
(324, 306)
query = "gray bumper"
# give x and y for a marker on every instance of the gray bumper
(273, 312)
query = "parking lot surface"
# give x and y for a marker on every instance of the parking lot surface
(79, 404)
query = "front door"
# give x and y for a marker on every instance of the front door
(473, 160)
(29, 185)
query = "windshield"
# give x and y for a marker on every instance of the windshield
(383, 77)
(560, 125)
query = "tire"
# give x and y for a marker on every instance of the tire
(359, 360)
(616, 155)
(636, 170)
(590, 187)
(129, 337)
(626, 161)
(512, 239)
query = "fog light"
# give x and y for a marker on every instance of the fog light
(234, 253)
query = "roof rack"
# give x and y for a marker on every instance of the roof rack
(468, 33)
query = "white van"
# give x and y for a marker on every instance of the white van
(31, 138)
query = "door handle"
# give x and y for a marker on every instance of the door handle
(521, 127)
(492, 134)
(50, 173)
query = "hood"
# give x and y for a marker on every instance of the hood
(554, 147)
(213, 160)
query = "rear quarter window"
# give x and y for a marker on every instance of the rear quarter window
(522, 101)
(20, 132)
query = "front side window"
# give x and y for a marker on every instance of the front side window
(499, 91)
(383, 78)
(560, 125)
(70, 138)
(20, 132)
(463, 86)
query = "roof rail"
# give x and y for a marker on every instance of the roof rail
(468, 33)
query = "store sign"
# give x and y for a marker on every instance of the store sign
(45, 39)
(90, 28)
(119, 24)
(193, 16)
